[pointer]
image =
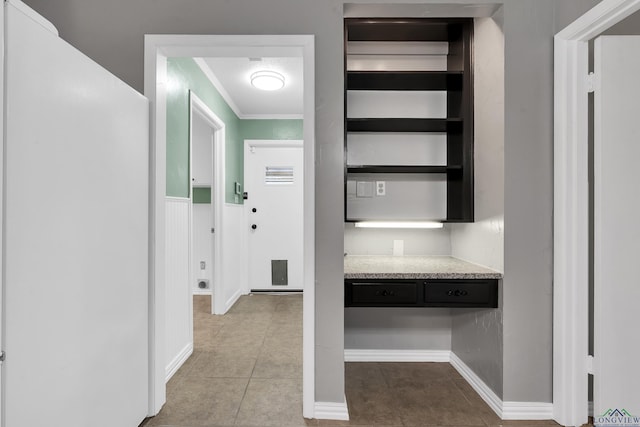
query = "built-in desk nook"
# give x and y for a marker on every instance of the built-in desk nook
(418, 281)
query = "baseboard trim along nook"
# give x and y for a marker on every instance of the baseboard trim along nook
(490, 398)
(202, 292)
(527, 411)
(504, 410)
(178, 361)
(331, 410)
(367, 355)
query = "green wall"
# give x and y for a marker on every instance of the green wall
(271, 129)
(184, 75)
(201, 195)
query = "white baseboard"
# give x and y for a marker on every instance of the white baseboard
(366, 355)
(490, 398)
(504, 410)
(178, 361)
(202, 292)
(331, 410)
(527, 411)
(229, 303)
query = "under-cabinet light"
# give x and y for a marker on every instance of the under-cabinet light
(399, 224)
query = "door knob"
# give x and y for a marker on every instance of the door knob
(254, 210)
(253, 226)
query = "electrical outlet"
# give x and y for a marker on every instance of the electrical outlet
(381, 188)
(203, 265)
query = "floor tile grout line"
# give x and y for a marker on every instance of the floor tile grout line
(244, 395)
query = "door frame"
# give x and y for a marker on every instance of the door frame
(264, 143)
(2, 149)
(571, 362)
(197, 106)
(157, 48)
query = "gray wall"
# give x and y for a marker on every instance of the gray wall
(397, 328)
(477, 335)
(112, 32)
(379, 241)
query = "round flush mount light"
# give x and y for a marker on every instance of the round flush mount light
(267, 80)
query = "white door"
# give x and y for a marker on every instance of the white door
(273, 179)
(76, 236)
(617, 229)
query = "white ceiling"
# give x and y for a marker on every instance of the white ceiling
(231, 75)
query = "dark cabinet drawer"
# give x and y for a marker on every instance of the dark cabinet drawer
(382, 293)
(421, 293)
(460, 293)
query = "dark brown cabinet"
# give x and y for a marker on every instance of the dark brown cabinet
(421, 293)
(409, 119)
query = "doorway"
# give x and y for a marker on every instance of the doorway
(158, 48)
(207, 136)
(571, 208)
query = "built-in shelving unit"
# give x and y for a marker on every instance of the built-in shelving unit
(409, 119)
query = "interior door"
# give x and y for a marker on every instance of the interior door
(76, 235)
(616, 229)
(273, 178)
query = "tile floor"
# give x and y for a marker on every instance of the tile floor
(246, 370)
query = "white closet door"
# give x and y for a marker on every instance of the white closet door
(617, 230)
(76, 239)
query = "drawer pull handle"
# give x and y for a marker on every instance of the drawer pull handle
(456, 293)
(385, 293)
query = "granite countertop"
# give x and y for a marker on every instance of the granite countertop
(414, 267)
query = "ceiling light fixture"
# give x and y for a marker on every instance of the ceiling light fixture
(267, 80)
(398, 224)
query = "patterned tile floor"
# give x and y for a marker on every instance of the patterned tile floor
(246, 370)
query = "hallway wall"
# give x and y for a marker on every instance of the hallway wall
(112, 33)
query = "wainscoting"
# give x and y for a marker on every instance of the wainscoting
(178, 318)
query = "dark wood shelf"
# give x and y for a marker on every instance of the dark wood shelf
(404, 80)
(403, 125)
(401, 169)
(456, 79)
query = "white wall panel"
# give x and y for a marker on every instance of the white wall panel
(178, 316)
(379, 241)
(234, 253)
(405, 148)
(397, 328)
(389, 103)
(396, 63)
(408, 197)
(75, 245)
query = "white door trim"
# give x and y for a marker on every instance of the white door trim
(2, 149)
(157, 49)
(571, 216)
(217, 177)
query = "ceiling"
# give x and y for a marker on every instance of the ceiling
(231, 76)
